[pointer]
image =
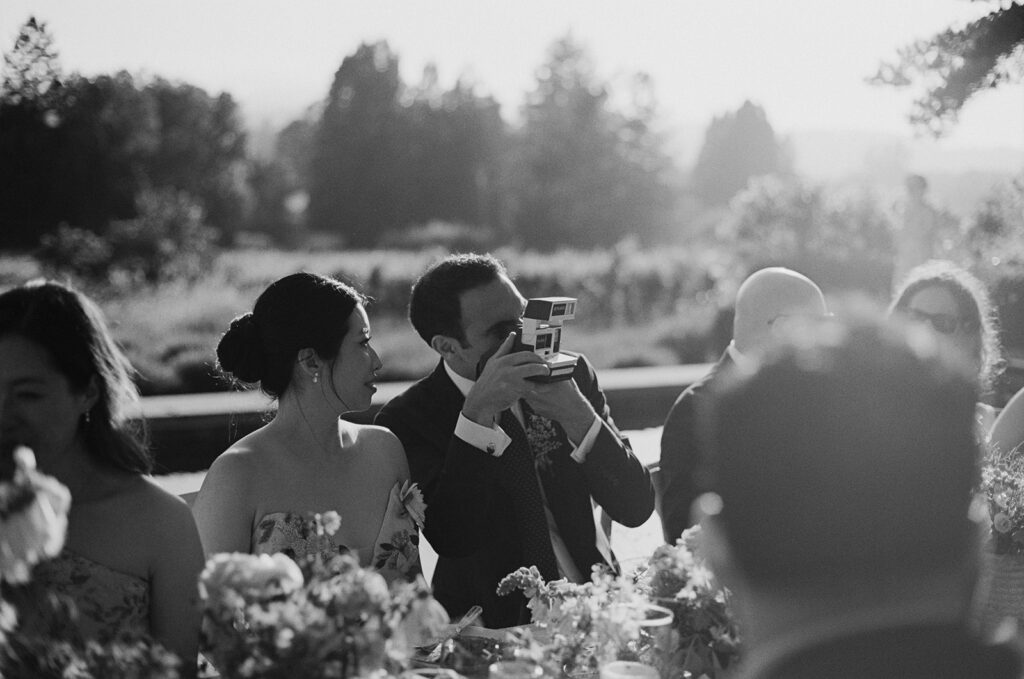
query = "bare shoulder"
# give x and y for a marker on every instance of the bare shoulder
(379, 442)
(373, 435)
(241, 461)
(157, 511)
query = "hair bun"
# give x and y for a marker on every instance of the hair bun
(240, 350)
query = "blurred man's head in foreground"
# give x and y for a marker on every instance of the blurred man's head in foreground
(846, 457)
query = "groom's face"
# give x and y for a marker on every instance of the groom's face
(489, 313)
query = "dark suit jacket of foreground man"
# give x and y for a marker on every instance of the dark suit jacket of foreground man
(470, 520)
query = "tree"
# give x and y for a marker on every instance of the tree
(357, 151)
(80, 150)
(451, 165)
(955, 64)
(737, 147)
(581, 172)
(29, 97)
(201, 151)
(837, 240)
(386, 156)
(32, 72)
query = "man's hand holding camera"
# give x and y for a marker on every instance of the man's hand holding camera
(529, 365)
(503, 380)
(564, 403)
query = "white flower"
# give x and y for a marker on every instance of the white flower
(33, 518)
(1002, 523)
(283, 638)
(412, 500)
(255, 576)
(331, 522)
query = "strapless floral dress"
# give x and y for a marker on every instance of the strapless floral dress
(395, 553)
(110, 604)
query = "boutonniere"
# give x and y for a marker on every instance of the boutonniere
(412, 499)
(544, 439)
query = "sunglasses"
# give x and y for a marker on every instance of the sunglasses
(947, 324)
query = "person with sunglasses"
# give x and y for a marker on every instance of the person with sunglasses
(956, 306)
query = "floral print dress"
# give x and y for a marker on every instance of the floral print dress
(395, 551)
(110, 603)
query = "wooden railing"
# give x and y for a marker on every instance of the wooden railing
(187, 432)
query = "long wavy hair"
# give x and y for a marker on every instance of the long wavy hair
(973, 303)
(70, 328)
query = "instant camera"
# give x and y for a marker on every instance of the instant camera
(542, 334)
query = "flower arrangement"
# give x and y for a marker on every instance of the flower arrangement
(581, 626)
(33, 525)
(322, 616)
(1002, 485)
(584, 626)
(704, 639)
(33, 518)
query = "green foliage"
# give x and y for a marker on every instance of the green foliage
(200, 150)
(78, 252)
(443, 235)
(31, 73)
(737, 147)
(839, 241)
(993, 244)
(167, 241)
(79, 150)
(582, 172)
(386, 156)
(952, 66)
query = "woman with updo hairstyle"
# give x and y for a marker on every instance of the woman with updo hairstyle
(955, 305)
(306, 343)
(132, 554)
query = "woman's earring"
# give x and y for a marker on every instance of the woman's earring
(316, 377)
(87, 416)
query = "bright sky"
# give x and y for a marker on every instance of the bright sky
(805, 61)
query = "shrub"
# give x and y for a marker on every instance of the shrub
(75, 251)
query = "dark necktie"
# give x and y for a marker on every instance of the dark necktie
(527, 499)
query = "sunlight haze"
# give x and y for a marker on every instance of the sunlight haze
(804, 61)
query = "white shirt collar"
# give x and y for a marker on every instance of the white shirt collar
(741, 360)
(461, 383)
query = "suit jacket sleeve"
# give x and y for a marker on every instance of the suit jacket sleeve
(457, 480)
(680, 458)
(617, 480)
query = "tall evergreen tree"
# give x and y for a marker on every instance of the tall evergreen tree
(737, 147)
(81, 150)
(582, 173)
(357, 153)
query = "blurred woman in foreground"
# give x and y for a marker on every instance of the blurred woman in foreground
(132, 553)
(307, 344)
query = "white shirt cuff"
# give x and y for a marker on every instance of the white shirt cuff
(491, 440)
(579, 452)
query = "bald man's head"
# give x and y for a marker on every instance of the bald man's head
(767, 296)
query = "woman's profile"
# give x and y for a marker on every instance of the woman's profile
(307, 344)
(132, 553)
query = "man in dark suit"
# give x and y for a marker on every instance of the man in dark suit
(843, 467)
(511, 469)
(765, 302)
